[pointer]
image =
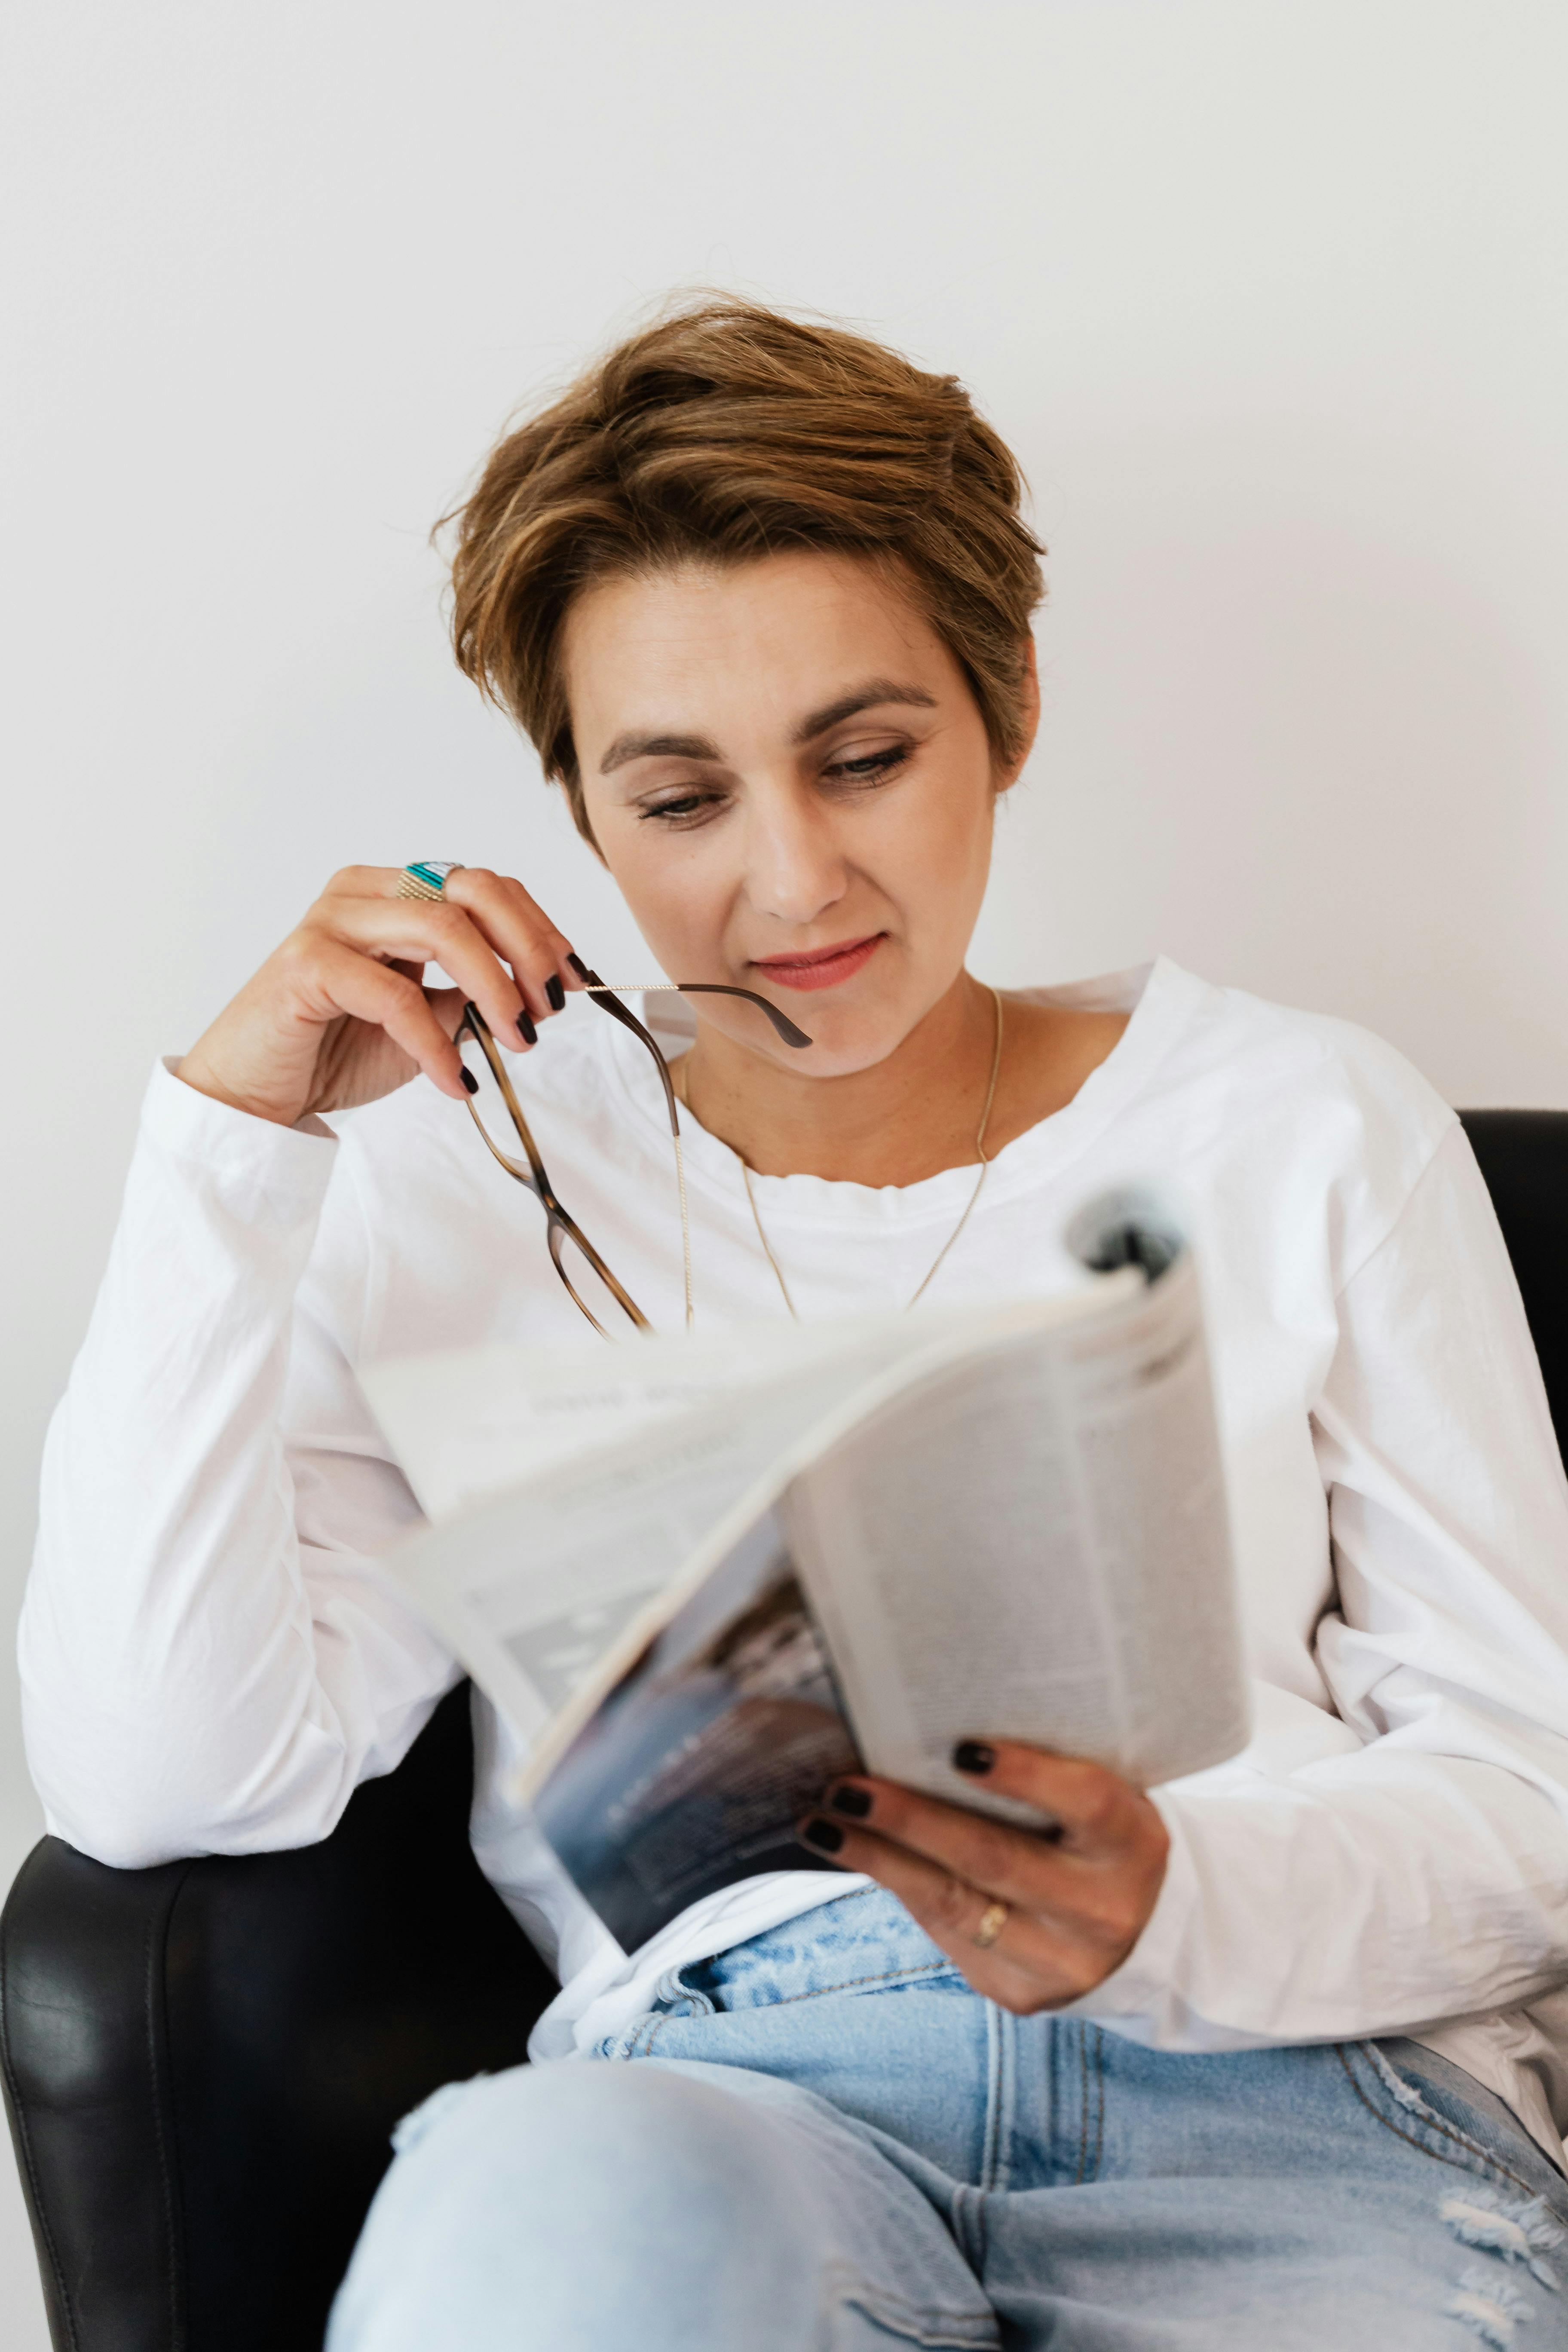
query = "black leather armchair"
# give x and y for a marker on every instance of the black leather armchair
(203, 2062)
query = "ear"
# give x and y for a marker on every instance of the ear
(1031, 714)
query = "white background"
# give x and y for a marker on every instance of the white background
(1269, 297)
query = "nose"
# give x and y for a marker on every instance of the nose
(795, 868)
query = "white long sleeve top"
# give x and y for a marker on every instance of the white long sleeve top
(213, 1658)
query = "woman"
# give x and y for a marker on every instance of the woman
(1269, 2056)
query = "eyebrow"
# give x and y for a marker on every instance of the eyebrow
(637, 745)
(876, 691)
(634, 745)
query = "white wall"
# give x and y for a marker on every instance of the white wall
(1268, 297)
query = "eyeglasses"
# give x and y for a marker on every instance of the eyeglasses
(590, 1285)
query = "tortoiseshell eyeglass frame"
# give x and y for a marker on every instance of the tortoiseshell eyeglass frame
(560, 1226)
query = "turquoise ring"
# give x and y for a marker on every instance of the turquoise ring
(427, 877)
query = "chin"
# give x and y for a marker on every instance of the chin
(845, 1041)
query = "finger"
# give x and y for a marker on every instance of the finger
(365, 882)
(428, 930)
(387, 999)
(517, 926)
(1102, 1892)
(1029, 1967)
(522, 933)
(1096, 1810)
(1019, 1865)
(446, 1004)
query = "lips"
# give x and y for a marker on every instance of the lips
(823, 968)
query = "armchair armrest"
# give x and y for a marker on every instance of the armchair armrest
(203, 2062)
(1523, 1155)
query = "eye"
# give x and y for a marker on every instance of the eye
(681, 808)
(870, 767)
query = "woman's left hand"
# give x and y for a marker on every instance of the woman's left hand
(1056, 1909)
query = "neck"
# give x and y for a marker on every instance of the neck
(906, 1118)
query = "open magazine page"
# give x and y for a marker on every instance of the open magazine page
(679, 1724)
(692, 1771)
(1034, 1544)
(538, 1586)
(1152, 1480)
(541, 1588)
(466, 1422)
(744, 1570)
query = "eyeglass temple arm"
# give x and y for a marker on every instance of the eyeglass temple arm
(600, 995)
(785, 1028)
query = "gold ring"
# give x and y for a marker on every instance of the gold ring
(426, 878)
(992, 1919)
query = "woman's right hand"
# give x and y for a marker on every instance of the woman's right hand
(338, 1014)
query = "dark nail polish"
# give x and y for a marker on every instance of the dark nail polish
(525, 1028)
(854, 1802)
(973, 1756)
(578, 966)
(469, 1081)
(827, 1836)
(555, 991)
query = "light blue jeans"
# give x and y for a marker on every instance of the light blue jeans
(823, 2141)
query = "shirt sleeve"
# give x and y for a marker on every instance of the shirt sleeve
(211, 1658)
(1411, 1870)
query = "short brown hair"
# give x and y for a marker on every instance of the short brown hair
(724, 433)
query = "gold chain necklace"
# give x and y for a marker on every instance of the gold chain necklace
(679, 1076)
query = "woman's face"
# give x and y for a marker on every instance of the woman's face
(790, 780)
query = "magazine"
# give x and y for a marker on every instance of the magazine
(700, 1577)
